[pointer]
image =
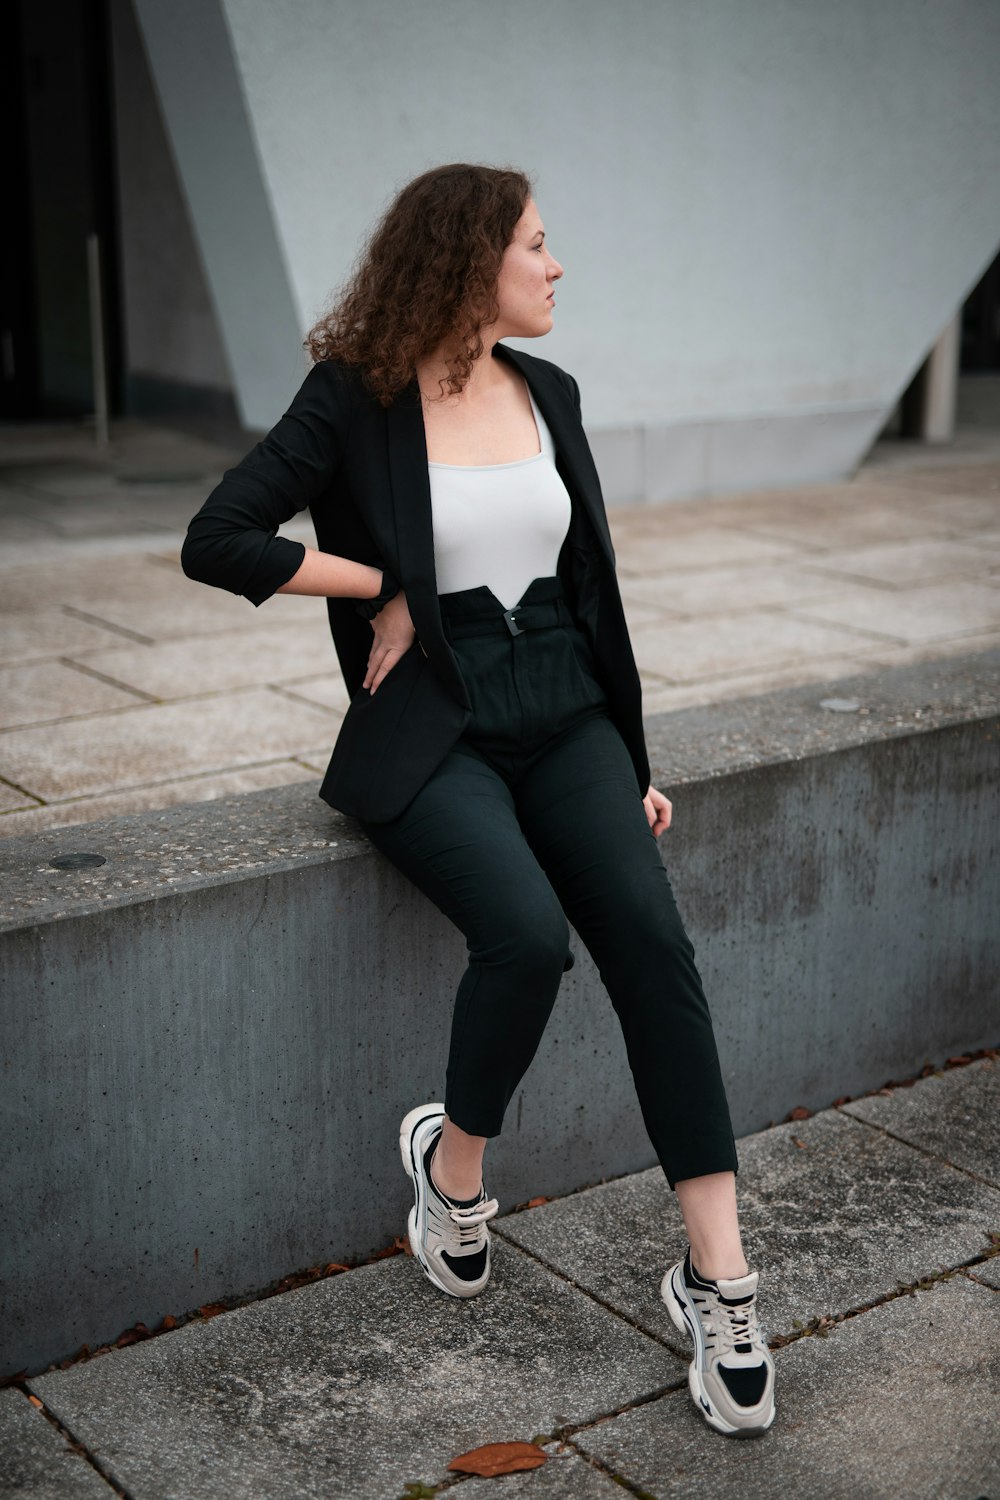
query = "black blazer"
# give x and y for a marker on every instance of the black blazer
(361, 469)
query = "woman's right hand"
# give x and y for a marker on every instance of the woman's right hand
(394, 635)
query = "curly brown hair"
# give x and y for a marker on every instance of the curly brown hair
(426, 277)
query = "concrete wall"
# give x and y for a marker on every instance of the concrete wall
(767, 213)
(209, 1040)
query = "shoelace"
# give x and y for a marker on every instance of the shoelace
(465, 1230)
(735, 1328)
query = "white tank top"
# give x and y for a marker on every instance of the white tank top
(499, 524)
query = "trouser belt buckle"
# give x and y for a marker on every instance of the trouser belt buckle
(512, 625)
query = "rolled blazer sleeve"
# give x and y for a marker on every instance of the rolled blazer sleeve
(232, 542)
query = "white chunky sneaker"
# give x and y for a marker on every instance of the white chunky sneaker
(450, 1241)
(731, 1377)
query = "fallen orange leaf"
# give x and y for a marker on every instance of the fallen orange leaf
(499, 1458)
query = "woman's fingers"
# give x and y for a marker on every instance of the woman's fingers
(379, 669)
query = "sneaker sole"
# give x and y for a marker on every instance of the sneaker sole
(686, 1322)
(407, 1131)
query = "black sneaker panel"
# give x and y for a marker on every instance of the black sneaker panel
(745, 1386)
(466, 1267)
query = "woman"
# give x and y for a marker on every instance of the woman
(493, 749)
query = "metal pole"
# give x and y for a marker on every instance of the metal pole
(99, 365)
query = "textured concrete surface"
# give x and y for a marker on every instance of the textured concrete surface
(901, 1400)
(726, 596)
(355, 1386)
(565, 1476)
(371, 1381)
(970, 1104)
(889, 1212)
(697, 745)
(36, 1461)
(828, 875)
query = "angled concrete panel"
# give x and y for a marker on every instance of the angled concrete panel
(211, 135)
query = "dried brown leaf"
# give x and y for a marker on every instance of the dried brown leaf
(800, 1113)
(499, 1458)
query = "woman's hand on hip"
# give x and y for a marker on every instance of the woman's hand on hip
(659, 810)
(394, 635)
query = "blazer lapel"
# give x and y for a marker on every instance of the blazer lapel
(411, 502)
(573, 457)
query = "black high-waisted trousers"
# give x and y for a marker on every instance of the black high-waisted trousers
(536, 816)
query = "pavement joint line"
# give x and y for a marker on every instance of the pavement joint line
(74, 1442)
(924, 1150)
(87, 671)
(283, 692)
(16, 786)
(148, 701)
(820, 1326)
(584, 1291)
(569, 1430)
(90, 619)
(603, 1467)
(971, 1276)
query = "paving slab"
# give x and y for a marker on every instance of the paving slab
(908, 562)
(257, 654)
(33, 634)
(147, 596)
(898, 1401)
(849, 525)
(46, 690)
(952, 1114)
(727, 591)
(708, 547)
(30, 817)
(36, 1461)
(353, 1387)
(162, 741)
(922, 613)
(831, 1224)
(660, 697)
(759, 639)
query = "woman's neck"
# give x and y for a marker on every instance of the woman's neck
(486, 376)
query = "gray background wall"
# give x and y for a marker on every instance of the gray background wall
(767, 213)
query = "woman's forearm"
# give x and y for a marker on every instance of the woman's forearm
(333, 577)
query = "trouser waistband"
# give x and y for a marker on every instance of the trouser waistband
(478, 611)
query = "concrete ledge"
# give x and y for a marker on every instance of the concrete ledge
(210, 1038)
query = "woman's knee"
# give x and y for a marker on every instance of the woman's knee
(532, 942)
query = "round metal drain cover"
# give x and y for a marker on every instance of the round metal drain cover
(77, 861)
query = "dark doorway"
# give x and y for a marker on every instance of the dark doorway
(57, 110)
(981, 325)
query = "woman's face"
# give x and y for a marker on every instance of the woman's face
(528, 274)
